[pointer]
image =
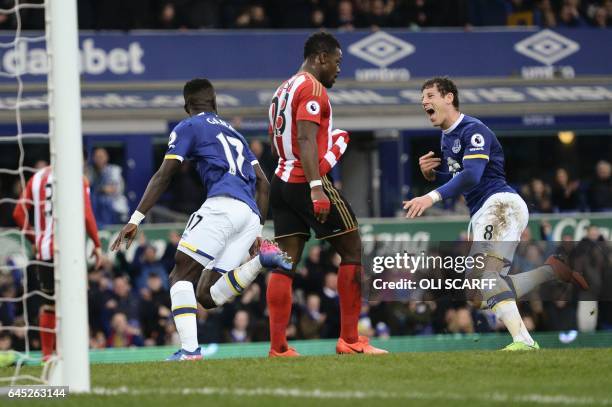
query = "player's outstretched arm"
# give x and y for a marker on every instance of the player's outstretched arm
(307, 140)
(462, 182)
(156, 187)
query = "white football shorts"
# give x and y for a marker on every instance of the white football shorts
(497, 226)
(221, 231)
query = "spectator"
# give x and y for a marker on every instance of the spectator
(565, 192)
(209, 325)
(330, 306)
(97, 340)
(601, 18)
(148, 264)
(239, 332)
(121, 301)
(122, 334)
(257, 17)
(317, 18)
(154, 310)
(537, 195)
(346, 17)
(569, 16)
(378, 15)
(600, 190)
(264, 156)
(310, 277)
(459, 320)
(167, 258)
(545, 15)
(109, 203)
(312, 319)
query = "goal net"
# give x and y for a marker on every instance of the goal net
(20, 293)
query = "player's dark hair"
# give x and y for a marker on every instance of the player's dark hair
(199, 94)
(445, 86)
(320, 42)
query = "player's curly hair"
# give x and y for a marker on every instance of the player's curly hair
(320, 42)
(445, 86)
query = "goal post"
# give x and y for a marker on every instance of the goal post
(72, 328)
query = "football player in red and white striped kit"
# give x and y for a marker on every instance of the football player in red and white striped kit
(303, 196)
(34, 215)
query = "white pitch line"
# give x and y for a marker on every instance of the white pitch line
(348, 395)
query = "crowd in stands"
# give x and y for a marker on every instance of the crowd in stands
(341, 14)
(129, 302)
(565, 194)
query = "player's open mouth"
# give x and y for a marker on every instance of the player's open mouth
(430, 111)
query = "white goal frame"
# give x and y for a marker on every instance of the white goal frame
(65, 138)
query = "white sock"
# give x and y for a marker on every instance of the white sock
(527, 281)
(184, 308)
(235, 281)
(508, 313)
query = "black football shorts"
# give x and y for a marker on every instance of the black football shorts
(293, 212)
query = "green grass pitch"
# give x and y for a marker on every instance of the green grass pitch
(549, 377)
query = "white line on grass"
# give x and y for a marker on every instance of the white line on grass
(326, 394)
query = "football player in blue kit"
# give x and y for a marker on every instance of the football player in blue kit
(475, 161)
(218, 236)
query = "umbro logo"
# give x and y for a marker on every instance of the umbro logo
(381, 49)
(547, 47)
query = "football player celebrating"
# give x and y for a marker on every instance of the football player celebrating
(475, 162)
(219, 234)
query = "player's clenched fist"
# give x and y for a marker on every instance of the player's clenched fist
(427, 163)
(127, 234)
(320, 203)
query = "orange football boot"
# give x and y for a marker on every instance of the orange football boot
(565, 273)
(361, 346)
(289, 353)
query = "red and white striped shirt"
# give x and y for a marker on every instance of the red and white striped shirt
(37, 196)
(302, 97)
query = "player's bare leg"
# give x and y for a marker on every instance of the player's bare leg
(348, 246)
(279, 297)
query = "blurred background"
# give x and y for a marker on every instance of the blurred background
(538, 73)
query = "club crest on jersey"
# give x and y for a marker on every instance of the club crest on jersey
(313, 107)
(456, 146)
(478, 140)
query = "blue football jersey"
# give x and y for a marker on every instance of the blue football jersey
(222, 156)
(470, 139)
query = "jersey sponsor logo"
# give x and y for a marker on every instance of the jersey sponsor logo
(313, 107)
(172, 140)
(456, 146)
(478, 140)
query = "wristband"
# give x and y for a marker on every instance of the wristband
(136, 218)
(316, 183)
(435, 196)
